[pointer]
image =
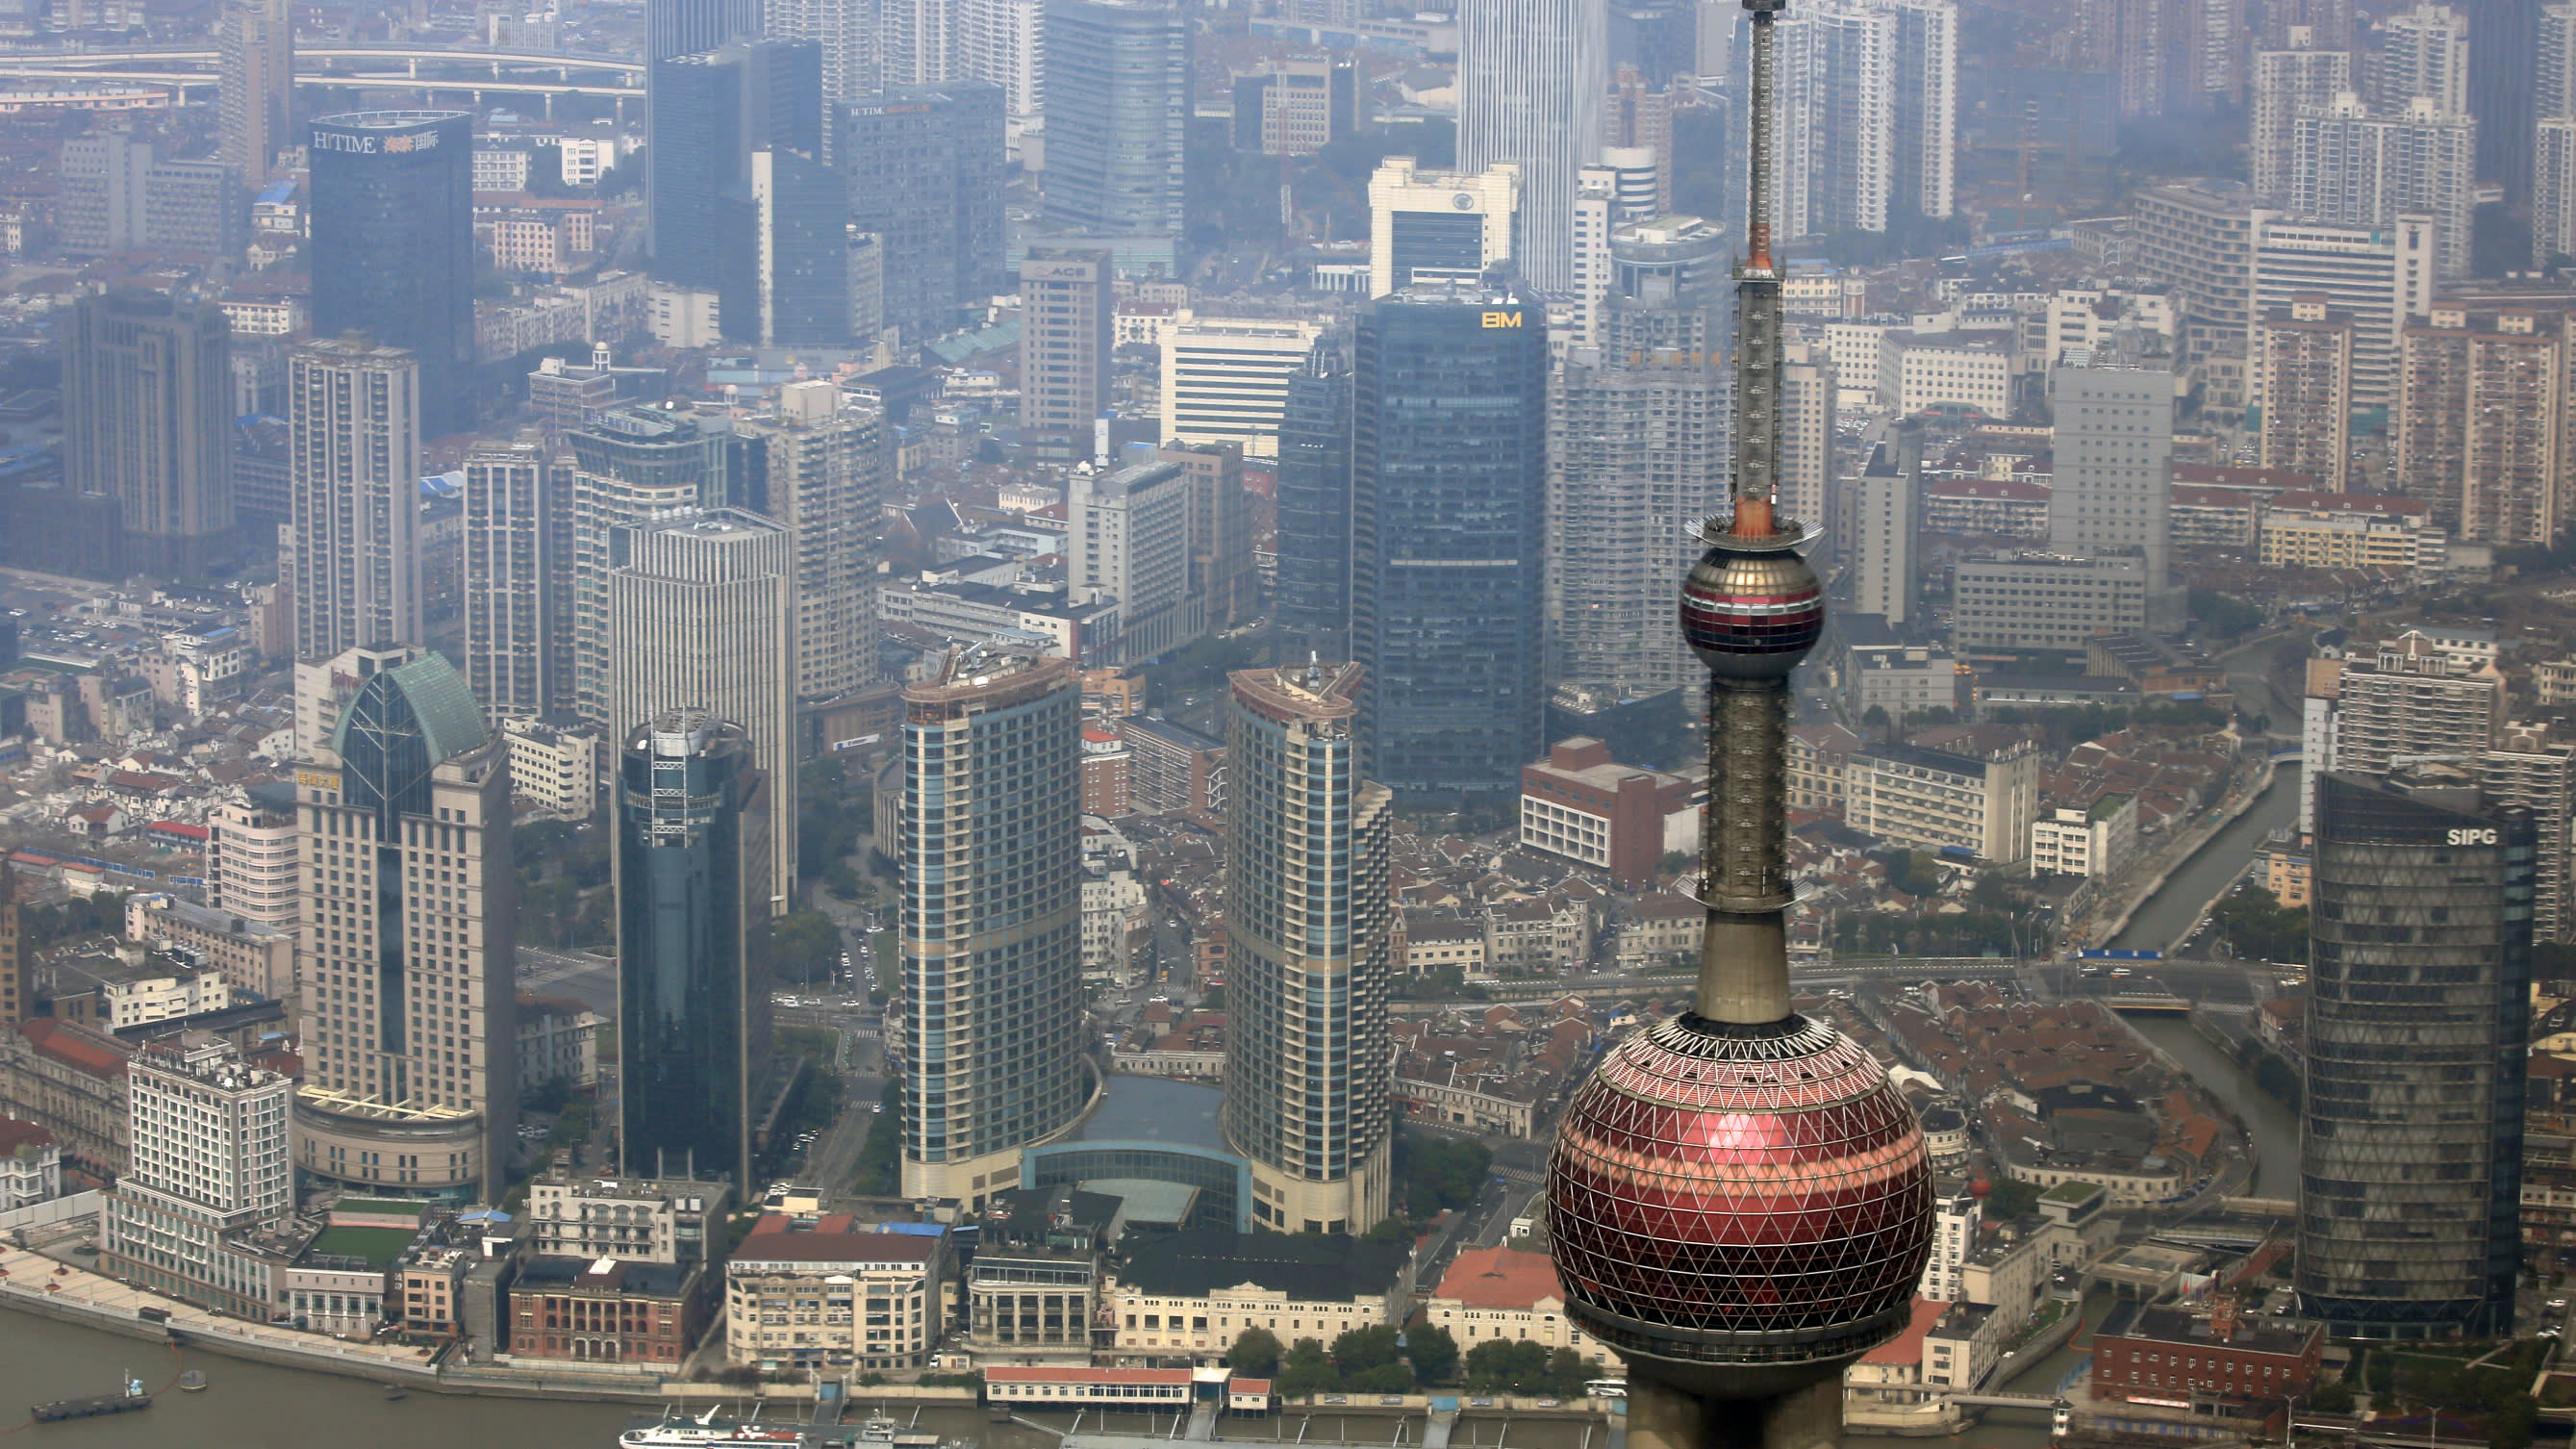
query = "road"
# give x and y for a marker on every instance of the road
(592, 980)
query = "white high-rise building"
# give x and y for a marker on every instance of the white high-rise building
(2351, 166)
(2113, 491)
(518, 566)
(211, 1157)
(1530, 77)
(252, 856)
(1890, 512)
(2553, 90)
(2553, 152)
(1430, 226)
(1129, 538)
(1926, 112)
(353, 544)
(997, 41)
(2424, 55)
(1225, 379)
(2379, 275)
(2285, 80)
(818, 470)
(1835, 162)
(701, 617)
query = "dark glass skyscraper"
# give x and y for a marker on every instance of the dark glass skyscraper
(1313, 605)
(924, 165)
(711, 110)
(691, 904)
(787, 276)
(148, 420)
(393, 244)
(2410, 1157)
(1117, 116)
(1448, 500)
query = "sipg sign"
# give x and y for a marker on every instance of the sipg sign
(394, 145)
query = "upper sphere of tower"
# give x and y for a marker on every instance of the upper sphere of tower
(1752, 615)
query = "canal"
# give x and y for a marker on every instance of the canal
(2168, 913)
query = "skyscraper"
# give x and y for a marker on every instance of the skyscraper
(1306, 1089)
(2424, 53)
(2379, 275)
(147, 420)
(255, 82)
(992, 920)
(2350, 165)
(1637, 455)
(712, 109)
(818, 471)
(2481, 422)
(2302, 73)
(2114, 481)
(701, 616)
(393, 244)
(1836, 164)
(686, 27)
(692, 868)
(1068, 316)
(2419, 982)
(353, 547)
(628, 465)
(1530, 76)
(518, 576)
(1448, 510)
(924, 169)
(1312, 602)
(1130, 538)
(788, 282)
(1439, 226)
(2303, 384)
(2503, 86)
(1117, 116)
(411, 1022)
(1221, 567)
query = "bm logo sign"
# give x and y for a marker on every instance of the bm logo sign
(1502, 319)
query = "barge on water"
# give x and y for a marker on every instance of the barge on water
(90, 1408)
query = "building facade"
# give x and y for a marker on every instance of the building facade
(1449, 491)
(518, 566)
(1117, 102)
(211, 1158)
(392, 238)
(353, 546)
(1307, 966)
(147, 420)
(992, 921)
(410, 921)
(691, 864)
(2422, 913)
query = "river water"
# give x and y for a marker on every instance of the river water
(2168, 913)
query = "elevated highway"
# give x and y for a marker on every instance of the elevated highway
(363, 67)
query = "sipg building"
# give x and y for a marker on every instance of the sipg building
(2410, 1142)
(1740, 1201)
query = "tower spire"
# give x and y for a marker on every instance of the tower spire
(1739, 1200)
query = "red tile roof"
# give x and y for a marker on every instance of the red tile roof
(1500, 1278)
(75, 1046)
(1907, 1347)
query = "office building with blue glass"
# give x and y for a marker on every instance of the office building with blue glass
(1448, 504)
(2418, 1026)
(1312, 604)
(393, 244)
(691, 865)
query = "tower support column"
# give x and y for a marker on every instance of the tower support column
(1663, 1417)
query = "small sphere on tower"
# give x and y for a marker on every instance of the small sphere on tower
(1752, 615)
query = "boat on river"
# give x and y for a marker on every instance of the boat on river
(711, 1431)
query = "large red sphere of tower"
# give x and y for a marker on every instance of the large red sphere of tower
(1752, 615)
(1752, 1200)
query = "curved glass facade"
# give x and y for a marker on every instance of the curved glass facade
(1306, 915)
(2410, 1153)
(687, 958)
(1224, 1181)
(992, 920)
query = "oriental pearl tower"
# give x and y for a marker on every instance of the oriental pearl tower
(1740, 1202)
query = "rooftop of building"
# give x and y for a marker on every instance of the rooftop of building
(1156, 1109)
(376, 1247)
(1310, 1268)
(2180, 1325)
(1500, 1277)
(615, 1275)
(1907, 1346)
(831, 1238)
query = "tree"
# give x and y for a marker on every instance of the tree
(1507, 1366)
(1306, 1370)
(1393, 1230)
(804, 947)
(2334, 1398)
(2011, 1198)
(1441, 1173)
(1255, 1354)
(1361, 1350)
(1434, 1353)
(1875, 719)
(1566, 1372)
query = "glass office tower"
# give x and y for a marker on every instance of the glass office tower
(1313, 606)
(691, 877)
(924, 165)
(2410, 1154)
(393, 244)
(1448, 500)
(991, 1016)
(1306, 924)
(1117, 117)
